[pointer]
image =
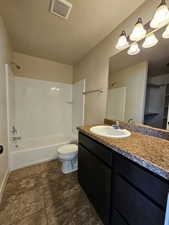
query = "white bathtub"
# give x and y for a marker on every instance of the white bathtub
(36, 150)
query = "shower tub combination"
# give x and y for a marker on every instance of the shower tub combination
(36, 150)
(46, 115)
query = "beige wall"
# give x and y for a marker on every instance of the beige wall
(42, 69)
(5, 54)
(134, 79)
(94, 66)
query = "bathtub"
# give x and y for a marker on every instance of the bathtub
(36, 150)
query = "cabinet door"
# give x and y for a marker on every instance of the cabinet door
(151, 185)
(136, 208)
(95, 179)
(117, 219)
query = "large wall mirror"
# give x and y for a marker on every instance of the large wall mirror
(139, 86)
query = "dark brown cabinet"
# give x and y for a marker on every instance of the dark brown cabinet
(134, 206)
(122, 192)
(95, 178)
(116, 219)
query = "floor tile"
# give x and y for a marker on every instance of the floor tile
(19, 186)
(17, 207)
(43, 195)
(36, 219)
(60, 220)
(58, 182)
(86, 215)
(34, 170)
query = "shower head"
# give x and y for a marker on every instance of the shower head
(16, 65)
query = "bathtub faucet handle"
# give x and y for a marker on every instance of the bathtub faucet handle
(16, 139)
(14, 130)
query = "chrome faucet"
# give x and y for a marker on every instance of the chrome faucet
(116, 125)
(131, 122)
(14, 139)
(13, 130)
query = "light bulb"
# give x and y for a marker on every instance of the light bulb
(134, 49)
(165, 35)
(161, 16)
(122, 41)
(150, 41)
(138, 32)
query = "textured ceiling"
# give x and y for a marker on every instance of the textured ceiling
(34, 31)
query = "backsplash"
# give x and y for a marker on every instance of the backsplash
(143, 129)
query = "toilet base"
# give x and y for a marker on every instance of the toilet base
(69, 166)
(69, 171)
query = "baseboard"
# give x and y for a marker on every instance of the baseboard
(3, 185)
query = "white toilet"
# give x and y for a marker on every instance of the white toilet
(67, 154)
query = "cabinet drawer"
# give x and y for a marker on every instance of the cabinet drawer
(154, 187)
(98, 149)
(117, 219)
(135, 207)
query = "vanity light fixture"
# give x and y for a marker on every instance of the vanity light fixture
(122, 41)
(150, 41)
(138, 32)
(166, 33)
(161, 16)
(134, 49)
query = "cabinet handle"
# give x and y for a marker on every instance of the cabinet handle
(166, 222)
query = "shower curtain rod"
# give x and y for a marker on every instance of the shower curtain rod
(92, 91)
(16, 65)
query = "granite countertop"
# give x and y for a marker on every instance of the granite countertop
(149, 152)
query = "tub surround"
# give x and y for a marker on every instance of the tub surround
(149, 152)
(42, 108)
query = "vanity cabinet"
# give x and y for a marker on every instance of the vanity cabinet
(95, 178)
(117, 219)
(122, 192)
(134, 206)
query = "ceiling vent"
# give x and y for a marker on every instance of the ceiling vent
(60, 8)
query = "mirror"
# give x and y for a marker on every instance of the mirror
(139, 85)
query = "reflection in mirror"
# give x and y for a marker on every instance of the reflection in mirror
(139, 85)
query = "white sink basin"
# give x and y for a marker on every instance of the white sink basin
(109, 131)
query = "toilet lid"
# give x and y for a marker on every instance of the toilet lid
(68, 149)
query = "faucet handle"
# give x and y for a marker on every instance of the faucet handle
(131, 121)
(14, 130)
(16, 138)
(117, 123)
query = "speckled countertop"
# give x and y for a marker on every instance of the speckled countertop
(149, 152)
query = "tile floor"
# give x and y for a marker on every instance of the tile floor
(42, 195)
